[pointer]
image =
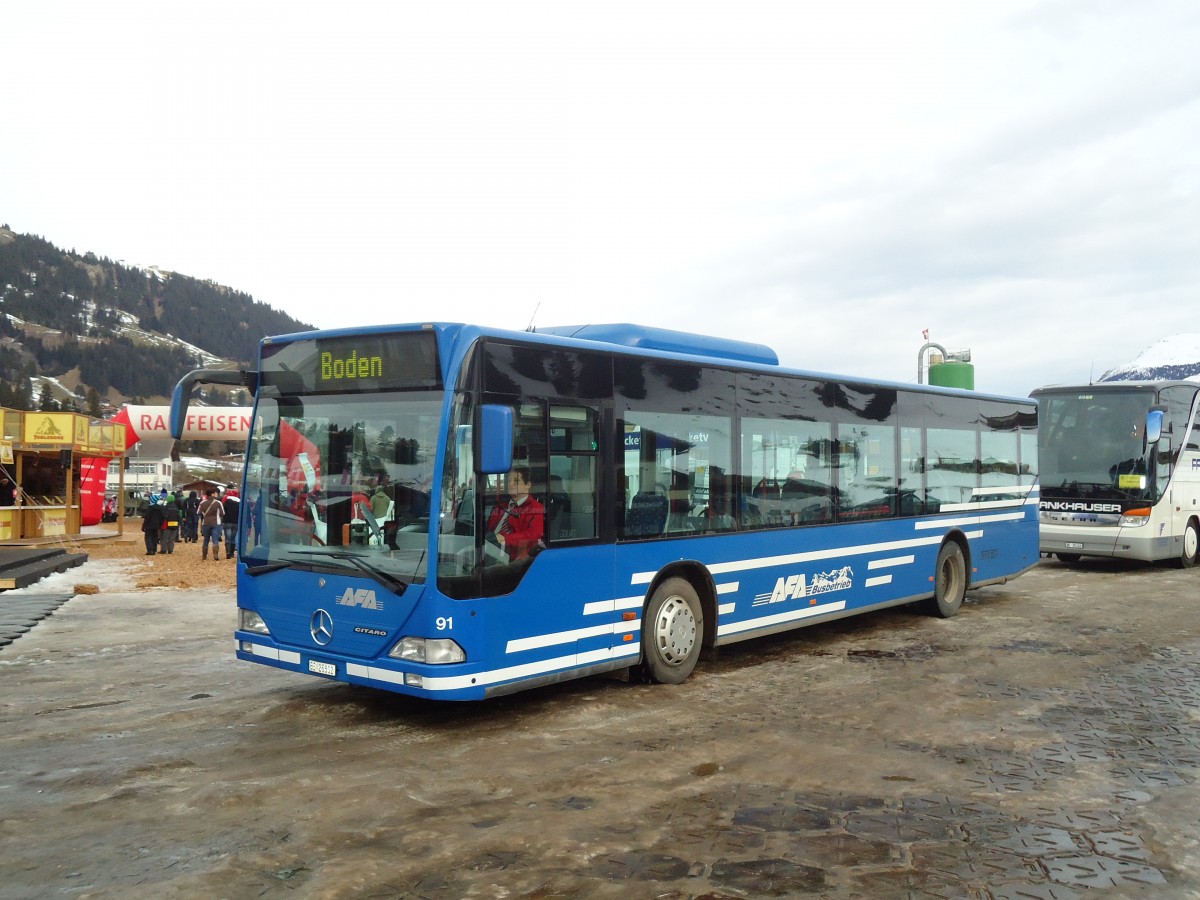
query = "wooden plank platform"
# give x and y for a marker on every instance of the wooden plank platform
(21, 567)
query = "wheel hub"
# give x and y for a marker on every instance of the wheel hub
(675, 631)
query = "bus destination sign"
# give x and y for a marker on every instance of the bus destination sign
(358, 363)
(353, 366)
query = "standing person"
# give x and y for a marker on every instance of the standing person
(380, 503)
(518, 527)
(256, 518)
(230, 507)
(209, 511)
(170, 528)
(152, 524)
(191, 521)
(8, 491)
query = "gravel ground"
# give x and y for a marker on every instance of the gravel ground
(182, 569)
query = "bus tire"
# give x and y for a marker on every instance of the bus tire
(1069, 558)
(949, 581)
(672, 632)
(1191, 545)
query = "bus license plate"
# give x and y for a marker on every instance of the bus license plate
(1073, 546)
(322, 668)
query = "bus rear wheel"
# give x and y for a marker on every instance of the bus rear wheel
(949, 581)
(672, 632)
(1191, 545)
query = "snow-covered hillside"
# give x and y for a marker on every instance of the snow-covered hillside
(1175, 357)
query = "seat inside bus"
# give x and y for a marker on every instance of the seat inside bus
(647, 515)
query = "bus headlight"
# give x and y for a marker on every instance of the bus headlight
(435, 651)
(1132, 518)
(249, 620)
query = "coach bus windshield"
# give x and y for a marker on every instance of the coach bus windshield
(1092, 445)
(342, 482)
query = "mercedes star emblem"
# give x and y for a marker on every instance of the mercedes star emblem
(321, 627)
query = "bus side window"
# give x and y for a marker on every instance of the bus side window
(574, 464)
(675, 463)
(953, 466)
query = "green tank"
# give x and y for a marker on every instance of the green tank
(953, 375)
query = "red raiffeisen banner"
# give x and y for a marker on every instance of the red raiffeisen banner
(204, 423)
(149, 423)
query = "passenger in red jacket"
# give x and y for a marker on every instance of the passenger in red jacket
(520, 524)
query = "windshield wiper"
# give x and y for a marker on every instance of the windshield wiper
(268, 567)
(389, 581)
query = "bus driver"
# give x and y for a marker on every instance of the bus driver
(518, 526)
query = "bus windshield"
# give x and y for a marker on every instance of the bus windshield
(342, 482)
(1091, 445)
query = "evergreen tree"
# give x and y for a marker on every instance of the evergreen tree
(23, 396)
(46, 401)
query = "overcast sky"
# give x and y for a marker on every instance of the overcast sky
(1021, 178)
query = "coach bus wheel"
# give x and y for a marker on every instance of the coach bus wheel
(1069, 558)
(949, 581)
(672, 632)
(1191, 545)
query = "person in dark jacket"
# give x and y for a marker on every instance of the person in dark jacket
(152, 524)
(191, 519)
(170, 530)
(231, 505)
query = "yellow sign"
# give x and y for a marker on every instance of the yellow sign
(1131, 482)
(54, 521)
(49, 428)
(6, 455)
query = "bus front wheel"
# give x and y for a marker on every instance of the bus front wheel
(949, 581)
(1191, 545)
(672, 632)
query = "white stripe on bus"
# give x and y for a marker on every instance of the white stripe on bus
(286, 656)
(565, 637)
(1001, 489)
(481, 679)
(971, 520)
(790, 616)
(894, 561)
(607, 606)
(982, 504)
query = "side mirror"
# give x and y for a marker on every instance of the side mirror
(495, 439)
(183, 391)
(1154, 422)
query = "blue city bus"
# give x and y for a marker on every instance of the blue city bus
(687, 492)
